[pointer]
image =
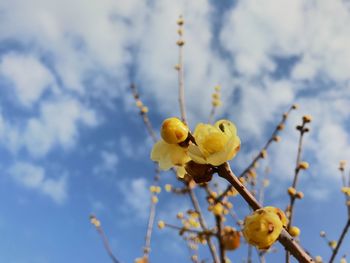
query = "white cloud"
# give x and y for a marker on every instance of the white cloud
(56, 125)
(109, 163)
(29, 76)
(34, 177)
(137, 197)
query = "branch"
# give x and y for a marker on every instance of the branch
(340, 241)
(285, 239)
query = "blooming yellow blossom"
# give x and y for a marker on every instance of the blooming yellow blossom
(263, 227)
(174, 131)
(215, 144)
(168, 155)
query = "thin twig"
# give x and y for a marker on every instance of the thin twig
(219, 225)
(340, 241)
(285, 239)
(295, 181)
(203, 224)
(275, 133)
(106, 244)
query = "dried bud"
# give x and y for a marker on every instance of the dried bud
(303, 165)
(299, 195)
(280, 127)
(277, 138)
(231, 238)
(263, 154)
(201, 173)
(307, 118)
(180, 42)
(295, 106)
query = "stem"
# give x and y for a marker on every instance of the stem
(285, 239)
(294, 184)
(106, 245)
(181, 86)
(218, 220)
(147, 247)
(203, 225)
(340, 241)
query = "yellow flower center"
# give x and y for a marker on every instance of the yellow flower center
(214, 142)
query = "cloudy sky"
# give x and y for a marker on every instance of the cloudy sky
(72, 143)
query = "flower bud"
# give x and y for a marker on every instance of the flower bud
(262, 228)
(174, 131)
(231, 238)
(332, 244)
(307, 118)
(303, 165)
(294, 231)
(299, 195)
(292, 191)
(180, 42)
(161, 224)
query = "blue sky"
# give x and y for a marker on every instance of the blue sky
(72, 143)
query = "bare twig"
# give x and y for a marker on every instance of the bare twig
(340, 241)
(285, 239)
(219, 225)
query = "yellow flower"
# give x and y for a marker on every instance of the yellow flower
(263, 227)
(168, 187)
(215, 144)
(279, 213)
(332, 244)
(303, 165)
(174, 131)
(217, 209)
(154, 199)
(168, 155)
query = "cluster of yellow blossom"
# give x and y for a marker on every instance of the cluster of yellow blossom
(263, 227)
(210, 145)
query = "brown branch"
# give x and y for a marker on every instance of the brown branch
(340, 240)
(203, 224)
(297, 169)
(194, 231)
(285, 239)
(106, 244)
(219, 225)
(181, 78)
(152, 214)
(278, 128)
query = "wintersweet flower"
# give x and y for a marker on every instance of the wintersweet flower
(215, 144)
(263, 227)
(174, 131)
(169, 155)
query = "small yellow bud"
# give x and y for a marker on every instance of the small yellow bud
(280, 127)
(154, 199)
(303, 165)
(217, 88)
(277, 138)
(292, 191)
(158, 189)
(180, 42)
(343, 260)
(307, 118)
(168, 187)
(217, 209)
(180, 215)
(216, 96)
(332, 244)
(295, 106)
(342, 165)
(299, 195)
(152, 188)
(161, 224)
(174, 131)
(318, 259)
(266, 182)
(252, 173)
(180, 21)
(144, 109)
(194, 258)
(263, 154)
(141, 260)
(346, 190)
(177, 67)
(294, 231)
(180, 31)
(139, 103)
(216, 103)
